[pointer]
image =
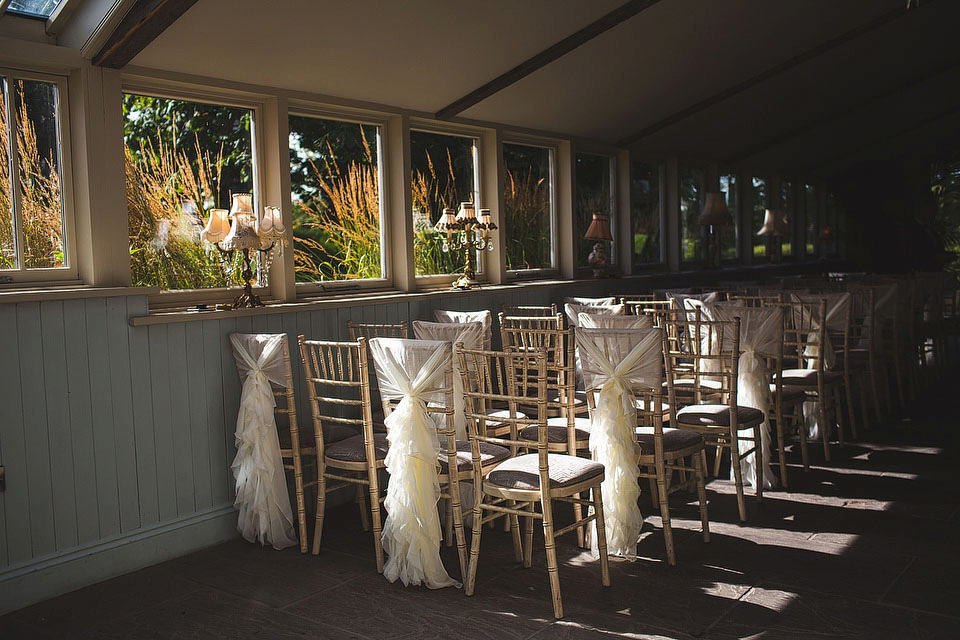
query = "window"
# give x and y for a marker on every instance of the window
(444, 174)
(35, 235)
(335, 190)
(594, 195)
(691, 203)
(812, 222)
(728, 233)
(645, 213)
(183, 159)
(32, 8)
(787, 204)
(528, 227)
(759, 202)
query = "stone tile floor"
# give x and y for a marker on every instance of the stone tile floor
(864, 546)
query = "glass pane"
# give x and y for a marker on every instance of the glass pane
(645, 212)
(182, 160)
(36, 8)
(728, 233)
(38, 161)
(335, 189)
(813, 225)
(8, 243)
(759, 186)
(691, 201)
(444, 175)
(528, 219)
(594, 184)
(786, 202)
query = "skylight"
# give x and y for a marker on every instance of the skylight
(32, 8)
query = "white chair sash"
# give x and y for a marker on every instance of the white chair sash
(617, 362)
(761, 333)
(413, 372)
(261, 486)
(484, 317)
(599, 321)
(471, 335)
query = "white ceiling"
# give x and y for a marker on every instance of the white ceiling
(425, 54)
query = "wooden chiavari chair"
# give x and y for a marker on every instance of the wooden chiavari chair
(515, 487)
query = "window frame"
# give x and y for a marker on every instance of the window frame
(332, 287)
(256, 103)
(640, 268)
(553, 147)
(483, 271)
(69, 274)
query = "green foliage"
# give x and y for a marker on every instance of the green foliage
(945, 186)
(432, 192)
(526, 231)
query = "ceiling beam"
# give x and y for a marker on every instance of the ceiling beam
(816, 123)
(146, 20)
(772, 72)
(545, 57)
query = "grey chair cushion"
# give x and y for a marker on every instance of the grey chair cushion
(557, 430)
(808, 377)
(523, 472)
(489, 454)
(716, 415)
(673, 439)
(791, 395)
(352, 449)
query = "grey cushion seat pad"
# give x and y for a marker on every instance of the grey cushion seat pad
(557, 430)
(716, 415)
(489, 454)
(673, 439)
(808, 377)
(523, 472)
(352, 449)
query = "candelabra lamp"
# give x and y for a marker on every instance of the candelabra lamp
(775, 226)
(464, 232)
(246, 233)
(715, 214)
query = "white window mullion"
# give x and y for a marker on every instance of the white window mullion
(15, 195)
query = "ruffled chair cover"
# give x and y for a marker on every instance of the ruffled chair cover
(598, 321)
(261, 486)
(471, 335)
(413, 372)
(617, 362)
(484, 317)
(761, 332)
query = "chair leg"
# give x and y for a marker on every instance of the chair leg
(665, 512)
(836, 395)
(528, 537)
(455, 506)
(471, 578)
(374, 486)
(699, 470)
(301, 507)
(550, 544)
(515, 536)
(798, 420)
(717, 459)
(737, 473)
(848, 387)
(758, 457)
(824, 425)
(601, 536)
(362, 503)
(318, 516)
(781, 450)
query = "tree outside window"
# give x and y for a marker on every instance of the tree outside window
(645, 213)
(31, 199)
(528, 228)
(335, 191)
(759, 202)
(691, 204)
(728, 233)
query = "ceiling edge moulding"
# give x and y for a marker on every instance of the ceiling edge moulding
(141, 25)
(865, 28)
(597, 27)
